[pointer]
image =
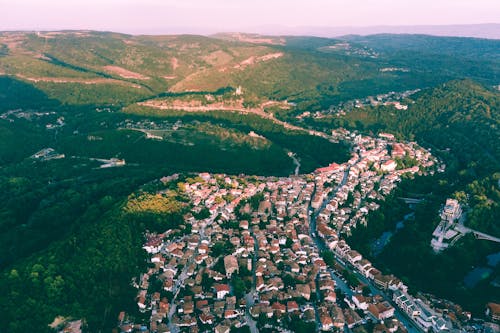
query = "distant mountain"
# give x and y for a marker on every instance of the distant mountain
(313, 72)
(488, 30)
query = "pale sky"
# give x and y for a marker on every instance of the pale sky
(208, 16)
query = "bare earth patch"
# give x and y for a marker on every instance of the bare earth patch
(174, 62)
(125, 73)
(256, 39)
(254, 60)
(78, 80)
(230, 105)
(218, 58)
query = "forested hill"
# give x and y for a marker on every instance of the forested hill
(460, 118)
(460, 109)
(87, 67)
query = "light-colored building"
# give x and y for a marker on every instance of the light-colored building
(231, 265)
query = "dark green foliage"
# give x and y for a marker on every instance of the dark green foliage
(221, 249)
(203, 214)
(312, 150)
(243, 329)
(300, 326)
(15, 94)
(42, 202)
(484, 198)
(351, 279)
(219, 266)
(391, 211)
(329, 258)
(239, 287)
(86, 275)
(4, 50)
(255, 200)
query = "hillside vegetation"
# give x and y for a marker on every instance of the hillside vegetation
(93, 67)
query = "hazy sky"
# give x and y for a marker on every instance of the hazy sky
(164, 16)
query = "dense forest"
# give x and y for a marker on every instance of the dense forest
(86, 273)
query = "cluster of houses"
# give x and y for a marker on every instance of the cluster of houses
(370, 174)
(391, 98)
(420, 312)
(252, 257)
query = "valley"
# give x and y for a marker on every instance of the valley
(131, 167)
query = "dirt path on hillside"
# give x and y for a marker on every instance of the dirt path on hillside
(256, 111)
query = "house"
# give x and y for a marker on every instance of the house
(330, 168)
(330, 296)
(388, 166)
(141, 300)
(222, 290)
(265, 207)
(406, 303)
(352, 319)
(353, 256)
(203, 249)
(206, 318)
(308, 314)
(342, 248)
(326, 322)
(360, 302)
(387, 136)
(202, 304)
(326, 284)
(382, 281)
(231, 314)
(381, 310)
(304, 290)
(493, 311)
(292, 306)
(188, 308)
(363, 265)
(168, 284)
(338, 317)
(231, 265)
(243, 225)
(278, 308)
(259, 283)
(398, 150)
(222, 329)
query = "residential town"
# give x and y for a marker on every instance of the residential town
(392, 98)
(269, 254)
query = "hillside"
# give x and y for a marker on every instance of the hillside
(85, 67)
